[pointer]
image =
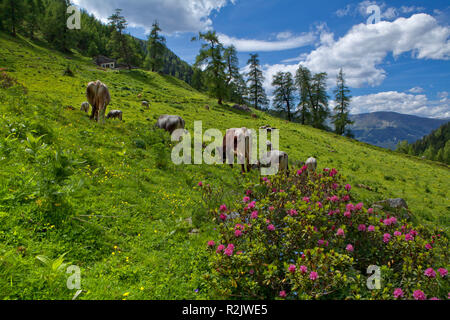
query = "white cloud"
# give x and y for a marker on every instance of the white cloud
(416, 90)
(285, 41)
(402, 103)
(364, 48)
(173, 15)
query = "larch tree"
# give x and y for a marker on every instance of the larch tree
(284, 93)
(303, 79)
(255, 79)
(119, 44)
(341, 118)
(211, 60)
(156, 45)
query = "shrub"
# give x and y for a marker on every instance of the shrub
(304, 237)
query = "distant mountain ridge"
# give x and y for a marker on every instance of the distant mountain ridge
(387, 129)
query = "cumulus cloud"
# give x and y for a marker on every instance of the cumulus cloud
(364, 48)
(173, 15)
(361, 51)
(401, 102)
(284, 41)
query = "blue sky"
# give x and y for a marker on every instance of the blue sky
(399, 64)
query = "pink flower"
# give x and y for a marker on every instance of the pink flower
(265, 179)
(292, 268)
(359, 206)
(251, 271)
(320, 205)
(254, 215)
(434, 298)
(347, 214)
(386, 237)
(200, 184)
(340, 233)
(333, 172)
(306, 199)
(248, 192)
(370, 211)
(252, 205)
(271, 227)
(419, 295)
(334, 199)
(223, 208)
(346, 198)
(371, 229)
(313, 275)
(443, 272)
(303, 269)
(229, 250)
(409, 237)
(428, 246)
(350, 207)
(348, 187)
(246, 199)
(349, 248)
(430, 273)
(414, 233)
(320, 242)
(271, 208)
(211, 243)
(223, 217)
(397, 233)
(398, 293)
(220, 248)
(334, 186)
(238, 233)
(293, 212)
(283, 294)
(362, 227)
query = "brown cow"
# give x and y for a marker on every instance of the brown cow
(241, 139)
(98, 96)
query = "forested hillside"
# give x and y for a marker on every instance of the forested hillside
(435, 146)
(47, 19)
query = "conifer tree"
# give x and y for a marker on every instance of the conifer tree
(284, 97)
(255, 79)
(341, 118)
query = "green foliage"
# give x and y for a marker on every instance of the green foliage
(94, 192)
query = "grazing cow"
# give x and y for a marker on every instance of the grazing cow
(115, 114)
(145, 104)
(170, 123)
(98, 96)
(311, 163)
(85, 107)
(239, 138)
(275, 156)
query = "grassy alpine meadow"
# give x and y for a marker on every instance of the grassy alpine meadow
(108, 199)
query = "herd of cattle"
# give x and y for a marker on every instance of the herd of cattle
(99, 97)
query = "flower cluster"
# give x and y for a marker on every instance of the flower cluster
(304, 237)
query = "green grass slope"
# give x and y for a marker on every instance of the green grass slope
(109, 198)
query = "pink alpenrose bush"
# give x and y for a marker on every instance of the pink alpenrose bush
(304, 237)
